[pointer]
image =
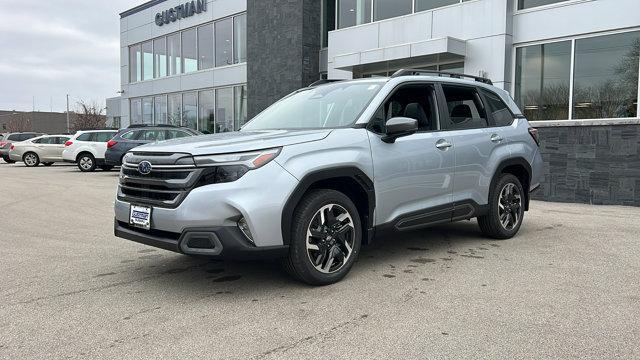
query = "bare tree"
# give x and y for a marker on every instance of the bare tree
(19, 123)
(89, 116)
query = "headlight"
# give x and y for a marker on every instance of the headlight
(252, 160)
(231, 167)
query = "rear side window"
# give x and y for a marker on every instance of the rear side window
(84, 137)
(14, 137)
(42, 141)
(465, 107)
(103, 136)
(498, 110)
(130, 135)
(174, 134)
(153, 135)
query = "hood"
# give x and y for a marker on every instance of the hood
(238, 141)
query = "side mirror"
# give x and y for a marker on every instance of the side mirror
(398, 127)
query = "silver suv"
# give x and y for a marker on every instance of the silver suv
(326, 168)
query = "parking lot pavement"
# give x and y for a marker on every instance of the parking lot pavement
(567, 286)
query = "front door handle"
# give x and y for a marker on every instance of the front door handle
(496, 138)
(443, 144)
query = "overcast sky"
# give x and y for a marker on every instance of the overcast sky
(49, 48)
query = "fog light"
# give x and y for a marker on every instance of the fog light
(244, 227)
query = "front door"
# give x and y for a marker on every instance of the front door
(413, 175)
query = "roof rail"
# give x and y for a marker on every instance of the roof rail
(323, 81)
(150, 125)
(409, 72)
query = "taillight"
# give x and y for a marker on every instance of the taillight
(111, 143)
(12, 147)
(534, 134)
(68, 143)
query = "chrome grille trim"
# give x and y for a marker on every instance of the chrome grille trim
(165, 186)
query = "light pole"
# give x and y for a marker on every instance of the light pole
(68, 129)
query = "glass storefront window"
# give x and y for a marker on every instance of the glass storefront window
(205, 47)
(136, 111)
(147, 60)
(135, 60)
(354, 12)
(223, 33)
(189, 51)
(525, 4)
(206, 111)
(147, 110)
(160, 109)
(606, 76)
(190, 110)
(240, 103)
(422, 5)
(542, 80)
(457, 68)
(159, 57)
(173, 52)
(174, 109)
(224, 110)
(385, 9)
(328, 20)
(240, 39)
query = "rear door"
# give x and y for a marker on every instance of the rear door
(478, 144)
(45, 147)
(57, 147)
(413, 175)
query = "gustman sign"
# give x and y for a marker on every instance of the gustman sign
(181, 11)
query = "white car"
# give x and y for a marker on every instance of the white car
(87, 148)
(46, 149)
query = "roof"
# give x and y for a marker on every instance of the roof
(140, 7)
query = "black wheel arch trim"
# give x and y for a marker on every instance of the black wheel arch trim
(312, 178)
(520, 161)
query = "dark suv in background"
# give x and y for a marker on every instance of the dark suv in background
(7, 139)
(136, 135)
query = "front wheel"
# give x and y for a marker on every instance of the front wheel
(506, 208)
(31, 159)
(325, 238)
(86, 163)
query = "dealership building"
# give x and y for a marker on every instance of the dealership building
(572, 66)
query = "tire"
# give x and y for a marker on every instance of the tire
(329, 244)
(86, 162)
(506, 202)
(106, 167)
(47, 163)
(31, 159)
(8, 160)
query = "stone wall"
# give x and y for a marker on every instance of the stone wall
(591, 164)
(283, 47)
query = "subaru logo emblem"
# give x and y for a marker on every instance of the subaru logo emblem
(144, 167)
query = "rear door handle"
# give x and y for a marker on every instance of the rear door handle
(443, 144)
(496, 138)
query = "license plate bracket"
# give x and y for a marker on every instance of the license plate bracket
(140, 216)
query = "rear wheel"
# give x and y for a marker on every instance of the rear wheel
(31, 159)
(506, 208)
(7, 159)
(86, 162)
(325, 238)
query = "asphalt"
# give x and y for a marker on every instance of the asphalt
(567, 286)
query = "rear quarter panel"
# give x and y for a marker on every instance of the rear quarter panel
(521, 144)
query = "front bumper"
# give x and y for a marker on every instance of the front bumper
(215, 242)
(259, 196)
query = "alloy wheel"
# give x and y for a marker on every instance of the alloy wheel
(86, 163)
(330, 238)
(30, 160)
(510, 206)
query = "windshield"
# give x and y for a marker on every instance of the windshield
(327, 106)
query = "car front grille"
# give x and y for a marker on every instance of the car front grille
(170, 180)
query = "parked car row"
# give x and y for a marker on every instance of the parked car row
(88, 149)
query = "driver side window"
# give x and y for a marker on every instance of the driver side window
(415, 101)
